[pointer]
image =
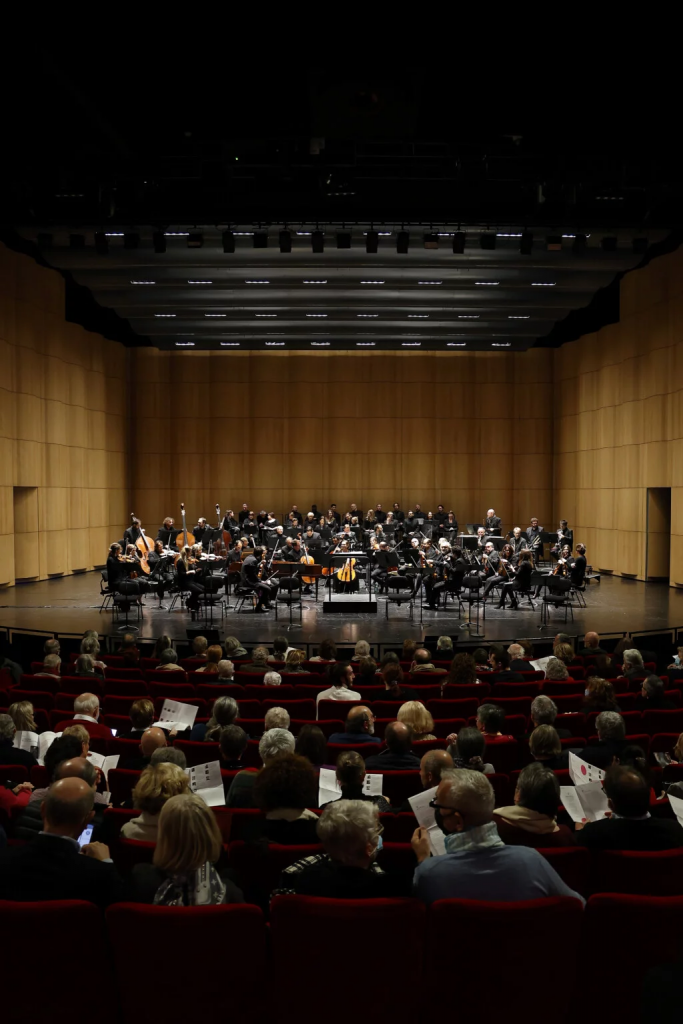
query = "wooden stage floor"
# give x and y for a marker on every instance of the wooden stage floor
(71, 605)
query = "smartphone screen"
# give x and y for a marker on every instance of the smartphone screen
(85, 835)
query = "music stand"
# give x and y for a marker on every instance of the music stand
(497, 541)
(168, 537)
(467, 542)
(474, 583)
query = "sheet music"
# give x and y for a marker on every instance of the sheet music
(329, 789)
(425, 819)
(176, 715)
(103, 763)
(207, 782)
(581, 773)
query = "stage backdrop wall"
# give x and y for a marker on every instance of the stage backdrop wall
(63, 487)
(618, 400)
(468, 430)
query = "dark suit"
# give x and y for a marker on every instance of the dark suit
(578, 570)
(12, 755)
(492, 523)
(518, 665)
(52, 868)
(631, 834)
(601, 754)
(389, 762)
(132, 534)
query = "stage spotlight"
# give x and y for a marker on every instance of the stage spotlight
(430, 240)
(609, 243)
(487, 240)
(260, 239)
(343, 239)
(553, 243)
(371, 241)
(317, 241)
(159, 241)
(101, 243)
(579, 245)
(195, 240)
(640, 245)
(285, 241)
(526, 243)
(131, 240)
(402, 241)
(228, 241)
(77, 241)
(459, 239)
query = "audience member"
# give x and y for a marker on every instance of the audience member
(499, 660)
(444, 648)
(591, 645)
(599, 696)
(432, 766)
(9, 754)
(272, 679)
(397, 756)
(605, 667)
(259, 662)
(631, 826)
(349, 831)
(350, 772)
(362, 650)
(199, 648)
(280, 648)
(311, 743)
(51, 667)
(359, 728)
(84, 666)
(652, 695)
(151, 740)
(564, 652)
(129, 651)
(545, 746)
(611, 732)
(294, 663)
(556, 670)
(477, 864)
(327, 651)
(532, 819)
(633, 667)
(422, 664)
(544, 712)
(169, 755)
(515, 653)
(463, 671)
(490, 722)
(481, 661)
(21, 714)
(276, 718)
(83, 737)
(141, 716)
(164, 643)
(367, 672)
(409, 648)
(213, 655)
(157, 784)
(188, 846)
(225, 674)
(340, 675)
(468, 750)
(53, 866)
(232, 744)
(284, 790)
(233, 648)
(394, 683)
(224, 712)
(273, 744)
(87, 711)
(421, 723)
(168, 661)
(13, 801)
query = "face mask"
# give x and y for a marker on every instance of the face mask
(586, 693)
(439, 820)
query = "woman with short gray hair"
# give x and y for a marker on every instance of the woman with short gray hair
(633, 664)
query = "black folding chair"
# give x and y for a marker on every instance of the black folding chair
(405, 589)
(558, 595)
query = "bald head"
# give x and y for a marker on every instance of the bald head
(360, 720)
(591, 640)
(432, 765)
(77, 768)
(398, 737)
(67, 807)
(152, 739)
(470, 795)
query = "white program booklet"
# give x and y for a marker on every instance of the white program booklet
(540, 664)
(581, 773)
(103, 763)
(45, 742)
(207, 782)
(677, 807)
(24, 739)
(425, 819)
(584, 803)
(329, 788)
(175, 715)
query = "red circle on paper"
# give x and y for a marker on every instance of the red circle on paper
(583, 769)
(584, 819)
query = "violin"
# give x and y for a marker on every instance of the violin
(144, 546)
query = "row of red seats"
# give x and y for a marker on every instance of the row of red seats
(569, 978)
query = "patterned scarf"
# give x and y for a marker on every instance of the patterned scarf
(480, 837)
(201, 888)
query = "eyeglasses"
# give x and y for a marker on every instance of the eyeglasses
(443, 807)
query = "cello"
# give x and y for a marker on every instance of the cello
(184, 539)
(143, 545)
(307, 559)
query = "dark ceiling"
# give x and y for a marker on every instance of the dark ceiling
(338, 153)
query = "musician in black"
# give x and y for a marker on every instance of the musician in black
(518, 543)
(579, 565)
(244, 513)
(288, 552)
(490, 564)
(522, 581)
(345, 578)
(312, 540)
(498, 562)
(118, 569)
(492, 521)
(333, 512)
(564, 536)
(276, 541)
(133, 533)
(235, 553)
(190, 577)
(230, 523)
(166, 529)
(440, 515)
(533, 534)
(262, 517)
(265, 589)
(381, 569)
(200, 531)
(380, 516)
(398, 515)
(449, 527)
(413, 553)
(161, 565)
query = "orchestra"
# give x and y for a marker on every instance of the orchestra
(372, 545)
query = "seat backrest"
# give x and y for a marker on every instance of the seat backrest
(662, 721)
(39, 698)
(164, 676)
(254, 691)
(233, 934)
(364, 749)
(122, 687)
(509, 922)
(259, 866)
(398, 786)
(573, 865)
(503, 755)
(336, 708)
(122, 782)
(456, 691)
(650, 873)
(172, 690)
(453, 708)
(14, 773)
(508, 690)
(116, 705)
(575, 723)
(292, 918)
(198, 753)
(117, 672)
(328, 726)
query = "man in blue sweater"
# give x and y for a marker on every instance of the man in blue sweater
(477, 864)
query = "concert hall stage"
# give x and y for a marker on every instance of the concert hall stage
(71, 605)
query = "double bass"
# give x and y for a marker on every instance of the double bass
(184, 539)
(307, 559)
(144, 545)
(227, 539)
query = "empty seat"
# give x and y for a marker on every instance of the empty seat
(453, 708)
(226, 935)
(198, 753)
(662, 721)
(398, 786)
(122, 782)
(573, 865)
(650, 873)
(258, 866)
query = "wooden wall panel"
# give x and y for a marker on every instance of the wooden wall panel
(62, 429)
(280, 428)
(618, 424)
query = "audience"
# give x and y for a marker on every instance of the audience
(481, 661)
(199, 648)
(359, 728)
(311, 743)
(433, 764)
(394, 684)
(599, 696)
(183, 872)
(272, 679)
(591, 645)
(631, 826)
(326, 652)
(87, 711)
(422, 664)
(350, 772)
(157, 784)
(9, 754)
(168, 662)
(53, 866)
(516, 655)
(532, 820)
(490, 721)
(544, 712)
(259, 662)
(545, 746)
(233, 648)
(21, 714)
(141, 716)
(151, 740)
(276, 718)
(274, 743)
(652, 695)
(341, 678)
(232, 744)
(280, 648)
(463, 671)
(499, 660)
(349, 831)
(129, 651)
(564, 652)
(444, 648)
(397, 756)
(169, 755)
(556, 670)
(611, 732)
(285, 790)
(468, 750)
(362, 650)
(633, 667)
(477, 864)
(163, 644)
(51, 667)
(224, 712)
(84, 666)
(367, 672)
(415, 714)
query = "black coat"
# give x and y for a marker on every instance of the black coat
(388, 762)
(630, 834)
(52, 868)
